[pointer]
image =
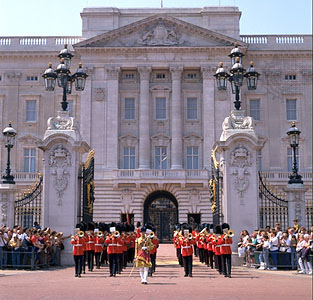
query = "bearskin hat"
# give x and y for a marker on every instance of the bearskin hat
(218, 229)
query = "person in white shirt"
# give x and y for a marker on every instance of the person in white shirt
(303, 248)
(264, 256)
(274, 248)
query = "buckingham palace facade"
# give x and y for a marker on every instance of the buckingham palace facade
(151, 110)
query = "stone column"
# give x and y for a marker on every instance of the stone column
(7, 198)
(176, 119)
(63, 149)
(112, 117)
(296, 203)
(144, 120)
(237, 148)
(208, 114)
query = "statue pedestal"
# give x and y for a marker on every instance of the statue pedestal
(296, 203)
(237, 148)
(63, 150)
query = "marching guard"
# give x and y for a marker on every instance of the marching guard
(142, 253)
(90, 246)
(78, 242)
(99, 241)
(226, 249)
(176, 241)
(112, 241)
(187, 243)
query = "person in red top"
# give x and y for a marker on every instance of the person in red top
(90, 246)
(195, 234)
(217, 242)
(210, 247)
(226, 250)
(138, 235)
(187, 250)
(131, 249)
(153, 252)
(99, 241)
(176, 241)
(78, 241)
(112, 241)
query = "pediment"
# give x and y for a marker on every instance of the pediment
(159, 31)
(160, 136)
(29, 139)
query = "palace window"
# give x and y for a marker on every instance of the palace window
(291, 109)
(290, 159)
(29, 159)
(192, 109)
(160, 108)
(255, 109)
(129, 108)
(31, 111)
(191, 75)
(160, 75)
(129, 158)
(160, 157)
(32, 78)
(129, 75)
(192, 158)
(290, 77)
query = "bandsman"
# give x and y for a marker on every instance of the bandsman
(90, 246)
(226, 250)
(187, 243)
(78, 242)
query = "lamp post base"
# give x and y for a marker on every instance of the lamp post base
(8, 179)
(295, 178)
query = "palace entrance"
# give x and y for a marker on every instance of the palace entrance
(161, 209)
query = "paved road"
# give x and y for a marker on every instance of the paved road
(167, 283)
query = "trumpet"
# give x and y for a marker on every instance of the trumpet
(99, 234)
(190, 237)
(79, 234)
(116, 233)
(150, 235)
(230, 233)
(204, 232)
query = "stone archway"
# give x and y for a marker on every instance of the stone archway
(161, 208)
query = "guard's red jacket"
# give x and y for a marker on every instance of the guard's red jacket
(78, 245)
(155, 242)
(90, 242)
(99, 244)
(113, 245)
(186, 247)
(225, 247)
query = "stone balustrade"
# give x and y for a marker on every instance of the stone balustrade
(282, 176)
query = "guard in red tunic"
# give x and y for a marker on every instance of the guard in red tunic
(153, 252)
(176, 241)
(112, 242)
(99, 241)
(210, 247)
(226, 250)
(90, 246)
(217, 242)
(187, 251)
(78, 241)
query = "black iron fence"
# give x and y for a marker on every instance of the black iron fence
(27, 207)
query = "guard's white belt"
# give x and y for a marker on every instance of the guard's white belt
(90, 242)
(223, 245)
(98, 244)
(186, 247)
(112, 245)
(77, 245)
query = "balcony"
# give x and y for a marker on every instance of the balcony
(23, 178)
(281, 177)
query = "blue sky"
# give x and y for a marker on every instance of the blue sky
(62, 17)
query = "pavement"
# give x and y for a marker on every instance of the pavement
(167, 283)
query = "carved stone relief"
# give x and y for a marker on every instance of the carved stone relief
(298, 212)
(127, 198)
(4, 204)
(240, 161)
(194, 199)
(99, 94)
(237, 120)
(62, 122)
(59, 161)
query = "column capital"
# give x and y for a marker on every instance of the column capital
(176, 71)
(112, 72)
(144, 72)
(208, 71)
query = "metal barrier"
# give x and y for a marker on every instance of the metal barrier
(20, 259)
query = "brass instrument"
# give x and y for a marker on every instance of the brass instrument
(204, 232)
(116, 234)
(79, 234)
(150, 235)
(99, 234)
(230, 233)
(190, 237)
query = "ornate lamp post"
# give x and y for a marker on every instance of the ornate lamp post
(236, 76)
(294, 136)
(64, 77)
(9, 139)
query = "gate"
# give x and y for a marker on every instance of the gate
(88, 187)
(273, 209)
(216, 189)
(27, 207)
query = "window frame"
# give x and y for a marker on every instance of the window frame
(130, 156)
(197, 108)
(295, 100)
(156, 109)
(258, 111)
(28, 167)
(192, 156)
(36, 110)
(134, 108)
(161, 159)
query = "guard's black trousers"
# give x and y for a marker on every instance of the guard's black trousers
(211, 258)
(219, 263)
(113, 263)
(98, 257)
(78, 259)
(188, 264)
(179, 256)
(153, 259)
(90, 258)
(226, 259)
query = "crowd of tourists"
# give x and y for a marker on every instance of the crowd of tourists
(29, 247)
(270, 248)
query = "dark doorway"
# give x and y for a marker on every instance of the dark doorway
(194, 219)
(161, 209)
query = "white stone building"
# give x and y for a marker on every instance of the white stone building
(151, 109)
